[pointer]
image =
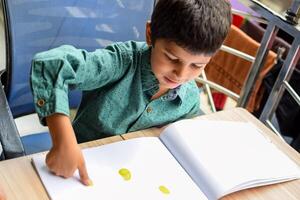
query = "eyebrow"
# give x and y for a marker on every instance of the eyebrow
(169, 52)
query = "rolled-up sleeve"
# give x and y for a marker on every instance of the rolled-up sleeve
(56, 71)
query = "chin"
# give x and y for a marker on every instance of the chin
(173, 86)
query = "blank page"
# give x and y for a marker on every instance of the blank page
(149, 171)
(223, 157)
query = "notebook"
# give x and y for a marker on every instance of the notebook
(194, 159)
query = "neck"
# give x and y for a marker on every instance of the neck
(161, 91)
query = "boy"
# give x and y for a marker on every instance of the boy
(128, 86)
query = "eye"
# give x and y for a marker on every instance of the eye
(173, 60)
(198, 66)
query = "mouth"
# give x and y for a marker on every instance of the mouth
(170, 81)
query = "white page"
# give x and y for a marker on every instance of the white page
(149, 162)
(220, 155)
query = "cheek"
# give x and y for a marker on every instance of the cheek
(195, 73)
(159, 66)
(155, 65)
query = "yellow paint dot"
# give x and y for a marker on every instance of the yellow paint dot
(164, 189)
(125, 173)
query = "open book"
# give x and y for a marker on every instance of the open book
(191, 159)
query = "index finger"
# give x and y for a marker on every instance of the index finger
(84, 177)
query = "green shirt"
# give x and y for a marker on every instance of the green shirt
(117, 84)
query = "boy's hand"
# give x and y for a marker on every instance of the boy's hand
(64, 161)
(65, 156)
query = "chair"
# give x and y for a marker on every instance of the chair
(231, 65)
(35, 26)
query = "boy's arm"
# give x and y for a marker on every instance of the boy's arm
(56, 71)
(65, 155)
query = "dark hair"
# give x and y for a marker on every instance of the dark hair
(199, 26)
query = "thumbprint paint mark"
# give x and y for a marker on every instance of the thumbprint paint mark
(164, 189)
(125, 173)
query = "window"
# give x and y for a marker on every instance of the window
(2, 39)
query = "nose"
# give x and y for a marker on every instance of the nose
(181, 72)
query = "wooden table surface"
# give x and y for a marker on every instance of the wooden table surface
(20, 181)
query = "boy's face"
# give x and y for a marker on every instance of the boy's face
(172, 65)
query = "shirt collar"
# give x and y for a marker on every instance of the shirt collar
(182, 91)
(150, 83)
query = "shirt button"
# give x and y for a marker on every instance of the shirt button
(41, 102)
(149, 110)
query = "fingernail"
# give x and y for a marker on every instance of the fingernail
(90, 183)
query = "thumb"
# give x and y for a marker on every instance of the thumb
(84, 177)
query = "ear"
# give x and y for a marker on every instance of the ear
(148, 33)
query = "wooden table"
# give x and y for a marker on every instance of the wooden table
(20, 181)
